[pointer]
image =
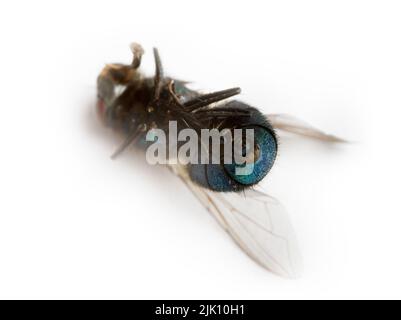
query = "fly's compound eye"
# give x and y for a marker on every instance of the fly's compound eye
(257, 163)
(254, 165)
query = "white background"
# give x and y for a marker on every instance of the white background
(75, 224)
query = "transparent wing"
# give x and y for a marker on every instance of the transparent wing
(257, 222)
(294, 125)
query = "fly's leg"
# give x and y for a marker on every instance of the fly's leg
(137, 51)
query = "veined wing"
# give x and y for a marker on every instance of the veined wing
(294, 125)
(257, 222)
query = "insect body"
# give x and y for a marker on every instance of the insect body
(134, 104)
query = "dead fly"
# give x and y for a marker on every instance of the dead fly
(134, 104)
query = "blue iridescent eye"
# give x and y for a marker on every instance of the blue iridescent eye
(226, 177)
(264, 155)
